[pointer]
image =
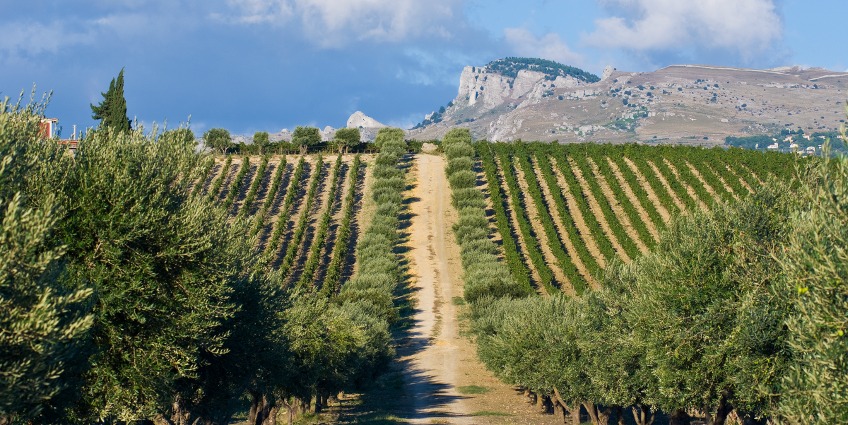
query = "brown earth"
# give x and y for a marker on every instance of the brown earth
(577, 215)
(557, 219)
(677, 201)
(652, 196)
(631, 196)
(599, 214)
(436, 377)
(533, 213)
(689, 189)
(695, 172)
(522, 244)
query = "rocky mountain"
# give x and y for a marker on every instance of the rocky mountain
(533, 99)
(359, 119)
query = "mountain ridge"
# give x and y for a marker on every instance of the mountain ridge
(682, 103)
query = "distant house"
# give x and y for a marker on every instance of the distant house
(48, 128)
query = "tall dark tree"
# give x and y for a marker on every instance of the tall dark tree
(112, 111)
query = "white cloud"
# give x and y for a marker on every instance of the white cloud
(745, 28)
(30, 39)
(550, 46)
(334, 23)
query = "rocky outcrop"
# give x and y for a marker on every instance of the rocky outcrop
(359, 120)
(694, 104)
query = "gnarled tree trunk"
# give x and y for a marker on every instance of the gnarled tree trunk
(642, 414)
(598, 416)
(679, 417)
(573, 410)
(724, 409)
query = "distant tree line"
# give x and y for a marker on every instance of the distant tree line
(510, 66)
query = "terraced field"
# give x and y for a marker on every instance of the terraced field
(562, 212)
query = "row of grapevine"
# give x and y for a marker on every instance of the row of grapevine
(332, 273)
(514, 258)
(287, 208)
(555, 244)
(247, 203)
(319, 239)
(486, 278)
(621, 196)
(525, 229)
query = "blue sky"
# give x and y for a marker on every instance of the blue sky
(250, 65)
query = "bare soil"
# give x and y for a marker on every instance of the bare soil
(546, 192)
(689, 190)
(631, 196)
(652, 196)
(677, 201)
(519, 239)
(596, 210)
(711, 190)
(533, 213)
(437, 378)
(577, 215)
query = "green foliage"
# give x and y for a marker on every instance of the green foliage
(261, 139)
(218, 138)
(702, 307)
(305, 138)
(162, 264)
(333, 274)
(511, 65)
(43, 323)
(182, 133)
(814, 389)
(348, 138)
(215, 188)
(485, 276)
(112, 110)
(237, 183)
(247, 205)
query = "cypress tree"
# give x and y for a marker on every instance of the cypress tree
(112, 111)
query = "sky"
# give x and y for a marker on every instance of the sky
(265, 65)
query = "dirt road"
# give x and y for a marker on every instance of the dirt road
(443, 380)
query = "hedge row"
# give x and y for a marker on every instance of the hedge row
(486, 278)
(372, 288)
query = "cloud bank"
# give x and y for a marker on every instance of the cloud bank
(333, 23)
(745, 29)
(550, 46)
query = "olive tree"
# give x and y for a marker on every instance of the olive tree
(347, 138)
(218, 139)
(43, 323)
(814, 389)
(306, 138)
(261, 140)
(713, 334)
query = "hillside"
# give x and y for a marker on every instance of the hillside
(689, 104)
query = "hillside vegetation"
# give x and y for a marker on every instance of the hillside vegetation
(511, 65)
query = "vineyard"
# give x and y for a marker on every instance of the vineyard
(302, 211)
(563, 212)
